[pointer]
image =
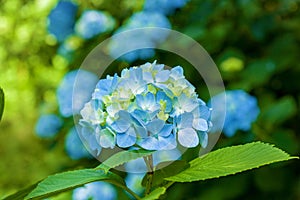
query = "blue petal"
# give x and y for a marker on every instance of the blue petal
(160, 95)
(149, 143)
(139, 100)
(200, 124)
(124, 115)
(125, 140)
(141, 116)
(147, 76)
(186, 103)
(149, 98)
(120, 126)
(203, 137)
(105, 87)
(166, 130)
(158, 67)
(136, 73)
(147, 102)
(177, 73)
(88, 134)
(107, 138)
(162, 76)
(188, 137)
(141, 131)
(185, 120)
(155, 126)
(205, 112)
(167, 143)
(131, 132)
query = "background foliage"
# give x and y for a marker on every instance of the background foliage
(254, 43)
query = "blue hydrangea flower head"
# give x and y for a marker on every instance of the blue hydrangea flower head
(165, 7)
(148, 107)
(93, 22)
(48, 125)
(147, 37)
(74, 146)
(96, 191)
(83, 91)
(61, 20)
(241, 111)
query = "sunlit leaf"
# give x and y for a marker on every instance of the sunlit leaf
(61, 182)
(231, 160)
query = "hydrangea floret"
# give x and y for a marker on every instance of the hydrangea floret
(148, 107)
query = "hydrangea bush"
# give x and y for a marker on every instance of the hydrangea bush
(152, 112)
(148, 107)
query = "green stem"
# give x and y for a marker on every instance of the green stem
(169, 184)
(129, 191)
(149, 163)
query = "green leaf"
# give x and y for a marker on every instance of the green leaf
(123, 157)
(279, 111)
(1, 103)
(58, 183)
(231, 160)
(155, 194)
(20, 195)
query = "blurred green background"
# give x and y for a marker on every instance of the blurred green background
(255, 44)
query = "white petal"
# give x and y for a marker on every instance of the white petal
(200, 124)
(188, 137)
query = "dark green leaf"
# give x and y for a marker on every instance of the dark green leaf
(58, 183)
(280, 111)
(1, 103)
(231, 160)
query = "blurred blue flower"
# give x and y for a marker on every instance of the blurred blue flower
(165, 7)
(134, 182)
(74, 146)
(86, 82)
(166, 155)
(139, 166)
(93, 22)
(61, 20)
(241, 111)
(143, 37)
(48, 125)
(95, 191)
